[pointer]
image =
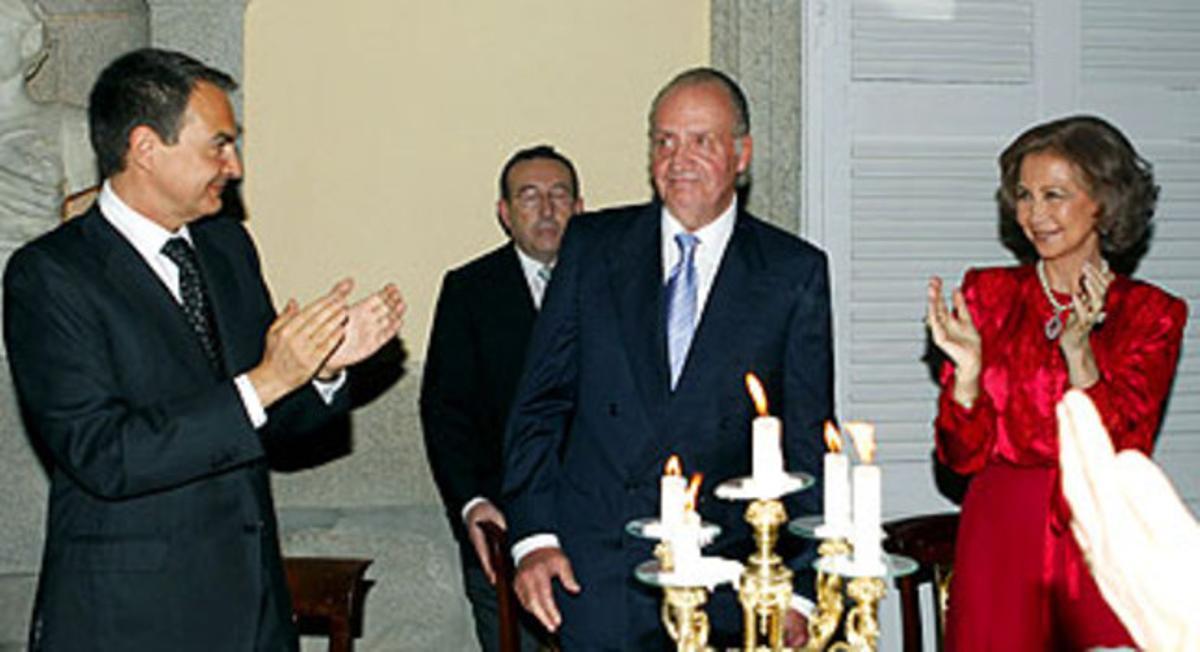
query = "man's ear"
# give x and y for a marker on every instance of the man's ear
(144, 142)
(745, 151)
(503, 214)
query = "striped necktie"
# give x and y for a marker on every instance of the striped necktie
(681, 304)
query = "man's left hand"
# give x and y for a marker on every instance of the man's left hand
(795, 629)
(372, 322)
(482, 511)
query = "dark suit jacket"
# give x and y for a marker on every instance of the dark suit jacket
(161, 532)
(594, 419)
(480, 332)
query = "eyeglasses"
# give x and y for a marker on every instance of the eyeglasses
(532, 198)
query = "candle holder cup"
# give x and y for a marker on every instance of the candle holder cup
(685, 590)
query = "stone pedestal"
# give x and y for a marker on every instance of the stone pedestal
(758, 42)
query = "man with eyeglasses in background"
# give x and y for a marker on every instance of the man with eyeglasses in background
(481, 328)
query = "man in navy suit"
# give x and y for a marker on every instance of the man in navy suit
(481, 329)
(151, 367)
(611, 389)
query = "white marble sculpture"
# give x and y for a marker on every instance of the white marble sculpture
(44, 150)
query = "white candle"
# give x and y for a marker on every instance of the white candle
(867, 533)
(866, 536)
(767, 457)
(837, 491)
(766, 442)
(685, 542)
(671, 499)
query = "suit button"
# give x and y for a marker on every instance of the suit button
(253, 528)
(632, 487)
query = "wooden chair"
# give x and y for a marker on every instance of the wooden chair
(929, 540)
(327, 597)
(508, 607)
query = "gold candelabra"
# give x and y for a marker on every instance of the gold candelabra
(765, 592)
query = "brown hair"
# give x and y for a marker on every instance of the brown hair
(1119, 180)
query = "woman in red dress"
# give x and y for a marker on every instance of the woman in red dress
(1016, 339)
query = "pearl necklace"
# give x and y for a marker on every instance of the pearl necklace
(1054, 325)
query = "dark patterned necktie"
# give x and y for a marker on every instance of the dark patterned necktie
(196, 306)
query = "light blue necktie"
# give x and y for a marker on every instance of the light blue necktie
(681, 304)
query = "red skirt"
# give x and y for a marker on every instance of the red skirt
(1020, 582)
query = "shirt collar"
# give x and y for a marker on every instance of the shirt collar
(146, 235)
(529, 264)
(715, 235)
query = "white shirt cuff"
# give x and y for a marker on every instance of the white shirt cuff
(803, 605)
(471, 503)
(250, 401)
(531, 543)
(329, 388)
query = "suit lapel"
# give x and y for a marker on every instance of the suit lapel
(635, 272)
(126, 269)
(735, 290)
(513, 295)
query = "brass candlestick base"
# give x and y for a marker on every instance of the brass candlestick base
(862, 623)
(683, 609)
(683, 616)
(825, 618)
(766, 585)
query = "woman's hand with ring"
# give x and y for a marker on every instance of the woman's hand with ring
(1087, 307)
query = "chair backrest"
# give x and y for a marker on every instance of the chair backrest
(929, 540)
(327, 597)
(507, 607)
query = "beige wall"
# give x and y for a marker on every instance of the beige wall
(375, 129)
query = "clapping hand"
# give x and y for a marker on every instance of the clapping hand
(1087, 308)
(298, 341)
(955, 334)
(372, 322)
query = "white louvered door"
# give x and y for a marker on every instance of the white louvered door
(907, 105)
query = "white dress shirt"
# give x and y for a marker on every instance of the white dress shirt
(534, 277)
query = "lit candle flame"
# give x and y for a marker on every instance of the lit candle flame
(757, 393)
(693, 492)
(674, 467)
(863, 436)
(833, 440)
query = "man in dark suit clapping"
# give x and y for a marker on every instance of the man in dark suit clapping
(485, 313)
(151, 366)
